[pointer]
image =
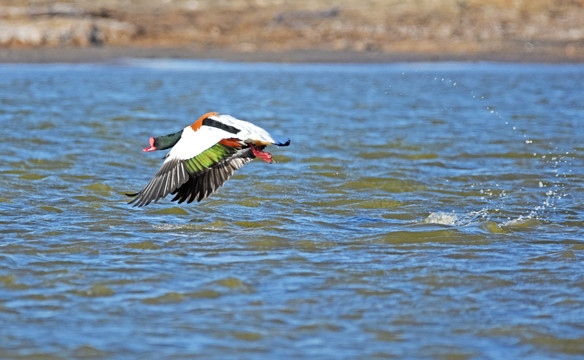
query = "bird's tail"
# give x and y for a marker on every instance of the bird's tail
(282, 143)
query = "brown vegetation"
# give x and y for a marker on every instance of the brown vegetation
(379, 26)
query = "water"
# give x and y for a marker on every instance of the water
(422, 211)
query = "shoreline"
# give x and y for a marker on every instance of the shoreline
(111, 54)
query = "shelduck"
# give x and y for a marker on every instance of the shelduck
(203, 157)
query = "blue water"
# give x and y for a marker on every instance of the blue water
(423, 210)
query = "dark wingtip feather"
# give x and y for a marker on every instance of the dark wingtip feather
(136, 201)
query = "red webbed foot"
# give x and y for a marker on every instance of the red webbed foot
(266, 156)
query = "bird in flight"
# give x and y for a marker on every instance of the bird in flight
(203, 157)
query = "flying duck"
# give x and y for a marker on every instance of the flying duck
(203, 157)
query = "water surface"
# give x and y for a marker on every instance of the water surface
(421, 211)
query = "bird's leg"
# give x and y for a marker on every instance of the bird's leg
(266, 156)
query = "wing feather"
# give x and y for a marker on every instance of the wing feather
(207, 182)
(195, 178)
(161, 184)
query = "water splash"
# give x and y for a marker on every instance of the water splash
(441, 218)
(553, 185)
(459, 220)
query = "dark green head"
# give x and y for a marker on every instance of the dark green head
(163, 142)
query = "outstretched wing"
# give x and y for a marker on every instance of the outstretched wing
(208, 181)
(193, 178)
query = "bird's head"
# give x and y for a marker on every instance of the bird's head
(163, 142)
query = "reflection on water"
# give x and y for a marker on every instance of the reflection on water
(422, 210)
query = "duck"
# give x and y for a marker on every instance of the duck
(202, 157)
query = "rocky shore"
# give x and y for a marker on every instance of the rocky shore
(301, 30)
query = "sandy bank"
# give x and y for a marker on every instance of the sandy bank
(112, 54)
(293, 31)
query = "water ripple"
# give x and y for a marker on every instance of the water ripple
(425, 210)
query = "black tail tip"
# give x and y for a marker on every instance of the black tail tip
(285, 143)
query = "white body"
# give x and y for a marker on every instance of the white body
(193, 142)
